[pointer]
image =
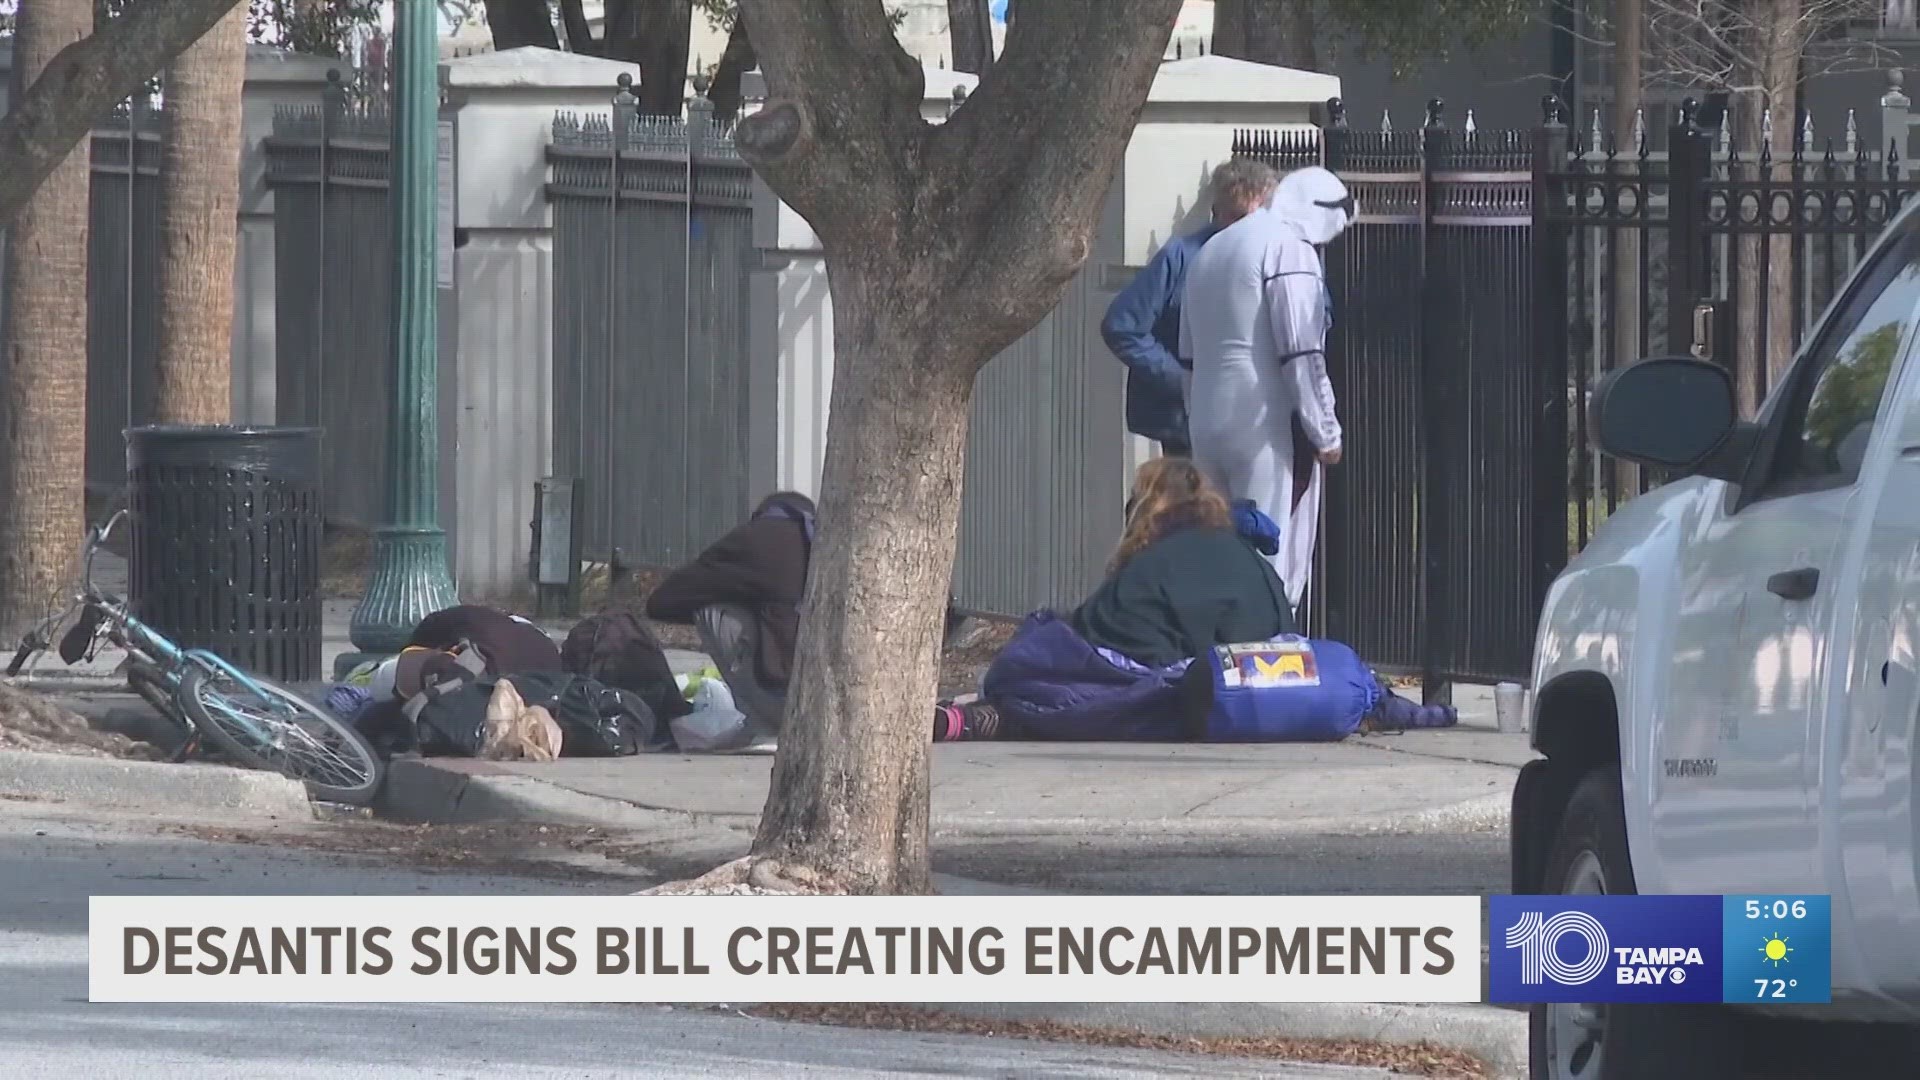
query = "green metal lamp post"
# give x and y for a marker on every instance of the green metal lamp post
(410, 576)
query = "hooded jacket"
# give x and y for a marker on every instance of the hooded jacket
(760, 565)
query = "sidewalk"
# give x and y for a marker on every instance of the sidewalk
(1454, 780)
(1450, 780)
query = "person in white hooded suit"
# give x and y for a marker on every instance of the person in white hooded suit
(1254, 324)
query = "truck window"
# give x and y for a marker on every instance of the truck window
(1839, 382)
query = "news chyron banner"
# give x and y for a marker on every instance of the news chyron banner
(784, 949)
(1654, 949)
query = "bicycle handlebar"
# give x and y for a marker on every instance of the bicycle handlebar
(96, 537)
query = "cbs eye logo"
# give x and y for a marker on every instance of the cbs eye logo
(1538, 939)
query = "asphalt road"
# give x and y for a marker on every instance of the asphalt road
(52, 859)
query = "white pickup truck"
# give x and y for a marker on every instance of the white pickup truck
(1726, 679)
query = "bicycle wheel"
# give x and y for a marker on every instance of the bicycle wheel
(274, 729)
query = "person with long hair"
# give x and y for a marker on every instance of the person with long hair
(1182, 579)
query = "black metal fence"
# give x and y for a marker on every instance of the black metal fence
(652, 247)
(333, 272)
(1489, 279)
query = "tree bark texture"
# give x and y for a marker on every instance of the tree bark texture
(944, 244)
(518, 23)
(1279, 32)
(50, 116)
(43, 358)
(970, 28)
(199, 203)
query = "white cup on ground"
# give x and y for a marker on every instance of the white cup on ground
(1510, 707)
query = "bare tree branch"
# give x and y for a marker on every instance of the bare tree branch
(84, 81)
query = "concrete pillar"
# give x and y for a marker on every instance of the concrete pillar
(499, 310)
(274, 79)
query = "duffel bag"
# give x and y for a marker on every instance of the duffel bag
(1290, 689)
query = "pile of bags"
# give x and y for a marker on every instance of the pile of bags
(475, 681)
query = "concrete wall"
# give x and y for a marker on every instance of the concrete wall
(498, 393)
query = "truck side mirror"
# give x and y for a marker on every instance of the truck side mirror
(1674, 412)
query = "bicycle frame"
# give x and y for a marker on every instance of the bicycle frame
(141, 642)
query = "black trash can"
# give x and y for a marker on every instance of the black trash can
(227, 527)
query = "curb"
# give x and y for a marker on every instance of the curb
(1495, 1036)
(424, 793)
(156, 787)
(420, 793)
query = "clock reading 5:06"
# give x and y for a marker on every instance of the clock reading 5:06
(1777, 909)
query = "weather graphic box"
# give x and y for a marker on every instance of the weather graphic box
(1778, 949)
(1652, 949)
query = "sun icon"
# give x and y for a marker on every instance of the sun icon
(1775, 949)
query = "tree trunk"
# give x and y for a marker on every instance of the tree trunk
(43, 362)
(1628, 50)
(199, 205)
(1763, 298)
(517, 23)
(944, 244)
(1279, 32)
(970, 28)
(735, 62)
(579, 34)
(850, 783)
(658, 36)
(83, 82)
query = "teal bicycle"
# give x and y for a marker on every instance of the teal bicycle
(255, 721)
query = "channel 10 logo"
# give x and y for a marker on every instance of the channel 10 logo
(1605, 949)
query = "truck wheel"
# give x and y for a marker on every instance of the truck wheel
(1616, 1042)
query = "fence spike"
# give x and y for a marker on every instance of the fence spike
(1386, 121)
(1595, 138)
(1829, 161)
(1179, 50)
(1853, 134)
(1469, 126)
(1640, 132)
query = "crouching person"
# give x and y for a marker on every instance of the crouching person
(742, 595)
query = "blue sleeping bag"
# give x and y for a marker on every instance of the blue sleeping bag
(1290, 689)
(1049, 683)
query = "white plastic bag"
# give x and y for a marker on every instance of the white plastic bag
(714, 725)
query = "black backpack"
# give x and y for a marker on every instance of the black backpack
(596, 720)
(618, 648)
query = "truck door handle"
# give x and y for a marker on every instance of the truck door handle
(1798, 584)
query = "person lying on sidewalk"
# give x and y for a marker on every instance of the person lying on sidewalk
(1188, 576)
(742, 594)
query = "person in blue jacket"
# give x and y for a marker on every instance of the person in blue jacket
(1142, 325)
